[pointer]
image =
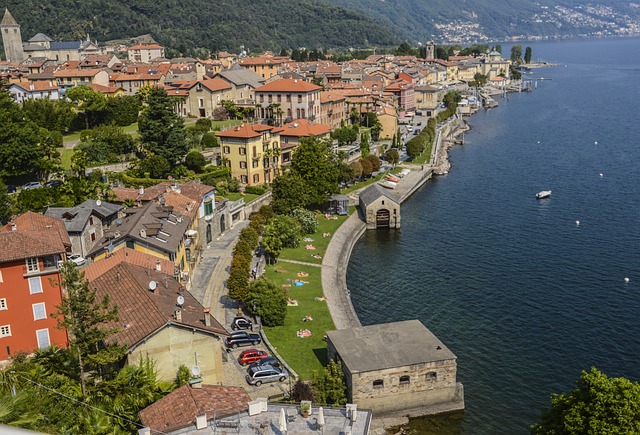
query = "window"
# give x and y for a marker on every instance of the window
(243, 151)
(32, 264)
(43, 338)
(5, 331)
(254, 164)
(3, 304)
(39, 311)
(90, 220)
(432, 376)
(226, 150)
(288, 98)
(187, 253)
(93, 236)
(243, 179)
(279, 98)
(35, 285)
(299, 98)
(256, 178)
(302, 112)
(404, 380)
(288, 113)
(243, 165)
(378, 383)
(208, 206)
(262, 97)
(270, 99)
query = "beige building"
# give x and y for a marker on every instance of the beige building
(11, 38)
(201, 97)
(379, 208)
(397, 368)
(158, 318)
(427, 99)
(252, 152)
(291, 133)
(332, 109)
(288, 99)
(69, 78)
(264, 66)
(389, 119)
(145, 52)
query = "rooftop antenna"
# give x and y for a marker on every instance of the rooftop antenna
(180, 300)
(152, 286)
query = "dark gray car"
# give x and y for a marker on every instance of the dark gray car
(242, 338)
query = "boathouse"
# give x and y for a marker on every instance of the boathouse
(397, 368)
(379, 208)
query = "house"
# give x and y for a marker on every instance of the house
(388, 119)
(379, 208)
(41, 45)
(68, 78)
(154, 228)
(131, 83)
(291, 133)
(34, 91)
(203, 97)
(403, 91)
(145, 52)
(264, 66)
(85, 223)
(288, 99)
(403, 361)
(159, 319)
(427, 99)
(243, 84)
(252, 152)
(30, 289)
(332, 109)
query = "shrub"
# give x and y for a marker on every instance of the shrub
(307, 220)
(281, 232)
(268, 301)
(301, 391)
(250, 236)
(203, 125)
(155, 166)
(256, 190)
(209, 140)
(238, 281)
(195, 161)
(243, 250)
(329, 387)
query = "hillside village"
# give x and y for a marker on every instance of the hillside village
(150, 247)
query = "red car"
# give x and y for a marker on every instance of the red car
(250, 356)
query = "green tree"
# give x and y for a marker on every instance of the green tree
(599, 405)
(414, 148)
(498, 48)
(355, 170)
(85, 318)
(5, 204)
(364, 144)
(329, 387)
(527, 55)
(313, 160)
(281, 232)
(19, 139)
(195, 161)
(516, 53)
(404, 49)
(209, 140)
(238, 281)
(268, 301)
(89, 102)
(54, 115)
(122, 111)
(154, 166)
(376, 164)
(367, 167)
(392, 156)
(307, 220)
(161, 129)
(203, 125)
(288, 192)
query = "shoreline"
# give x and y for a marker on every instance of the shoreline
(338, 254)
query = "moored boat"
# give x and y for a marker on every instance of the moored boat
(543, 194)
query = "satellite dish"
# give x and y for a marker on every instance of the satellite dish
(152, 285)
(98, 203)
(180, 300)
(195, 371)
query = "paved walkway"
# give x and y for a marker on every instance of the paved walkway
(284, 260)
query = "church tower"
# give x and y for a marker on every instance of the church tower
(11, 38)
(431, 50)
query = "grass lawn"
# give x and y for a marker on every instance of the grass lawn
(309, 354)
(71, 137)
(324, 226)
(65, 157)
(248, 197)
(369, 181)
(225, 124)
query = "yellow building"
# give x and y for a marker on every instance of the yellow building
(252, 152)
(265, 66)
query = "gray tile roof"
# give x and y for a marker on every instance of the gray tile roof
(65, 45)
(75, 218)
(242, 77)
(372, 193)
(40, 37)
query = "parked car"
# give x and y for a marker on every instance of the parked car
(409, 128)
(241, 323)
(53, 183)
(78, 260)
(32, 185)
(243, 338)
(416, 131)
(260, 375)
(266, 361)
(250, 356)
(419, 123)
(11, 188)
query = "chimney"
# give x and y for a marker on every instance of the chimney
(207, 317)
(201, 421)
(144, 431)
(141, 190)
(178, 316)
(14, 227)
(158, 266)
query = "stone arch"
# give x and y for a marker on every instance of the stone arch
(382, 218)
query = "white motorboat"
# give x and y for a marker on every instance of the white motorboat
(543, 194)
(388, 184)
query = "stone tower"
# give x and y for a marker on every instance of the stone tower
(11, 38)
(431, 50)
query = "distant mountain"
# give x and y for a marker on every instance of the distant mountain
(274, 24)
(216, 24)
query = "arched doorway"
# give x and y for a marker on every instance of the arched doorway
(222, 228)
(208, 234)
(382, 218)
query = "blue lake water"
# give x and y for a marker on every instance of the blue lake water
(524, 296)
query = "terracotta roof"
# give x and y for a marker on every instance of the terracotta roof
(146, 47)
(181, 204)
(179, 408)
(216, 84)
(245, 131)
(328, 96)
(262, 60)
(37, 86)
(195, 191)
(289, 85)
(105, 89)
(35, 235)
(143, 312)
(89, 72)
(124, 193)
(127, 255)
(31, 221)
(304, 128)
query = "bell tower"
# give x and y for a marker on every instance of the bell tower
(11, 38)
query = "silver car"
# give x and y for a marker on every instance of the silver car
(263, 374)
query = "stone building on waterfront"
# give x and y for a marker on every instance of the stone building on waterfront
(397, 367)
(380, 209)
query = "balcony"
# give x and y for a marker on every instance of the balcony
(256, 156)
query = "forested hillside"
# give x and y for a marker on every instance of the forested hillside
(215, 24)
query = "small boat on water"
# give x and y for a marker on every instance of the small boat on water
(543, 194)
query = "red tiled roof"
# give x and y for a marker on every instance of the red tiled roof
(263, 60)
(146, 47)
(35, 235)
(104, 89)
(245, 131)
(38, 86)
(127, 255)
(288, 85)
(88, 72)
(303, 128)
(216, 84)
(328, 96)
(31, 221)
(179, 408)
